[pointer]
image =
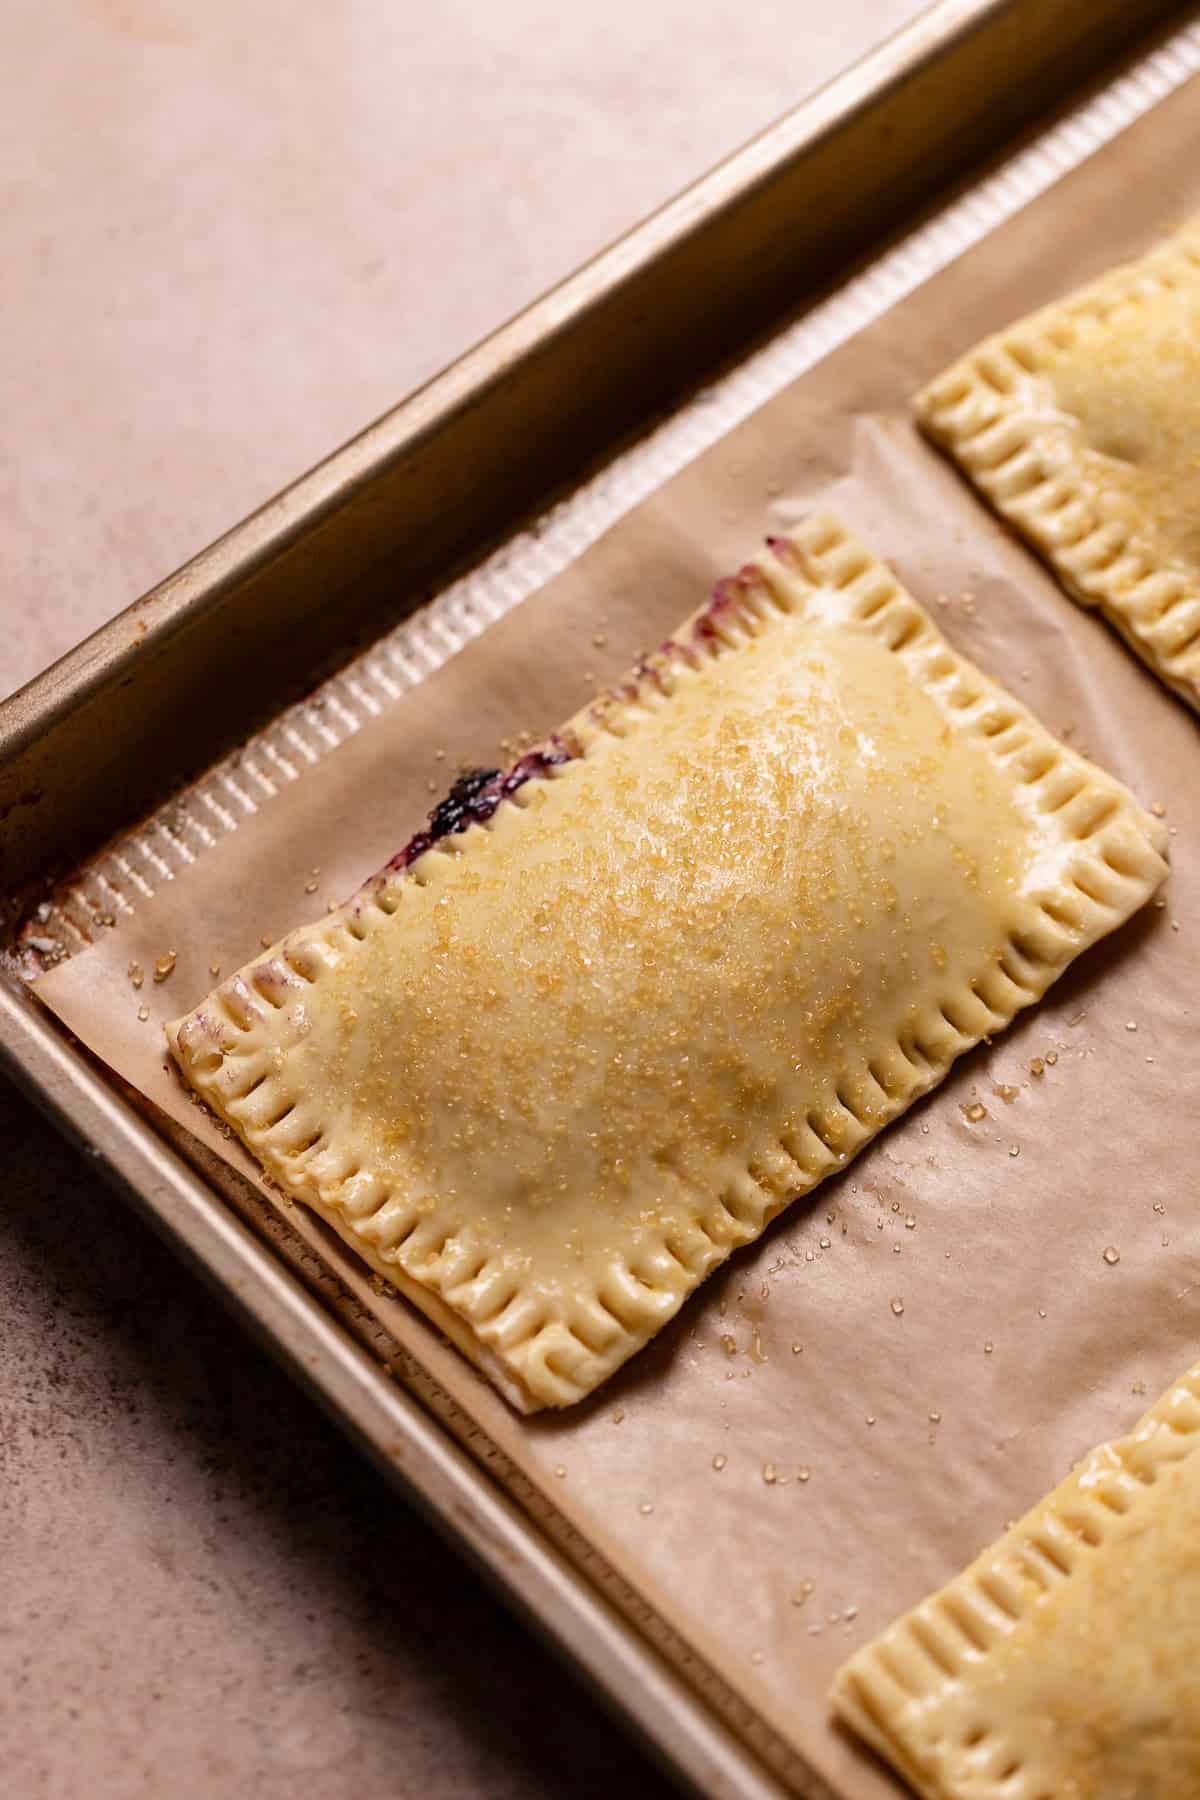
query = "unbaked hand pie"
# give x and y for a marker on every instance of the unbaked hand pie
(1065, 1663)
(614, 1009)
(1081, 425)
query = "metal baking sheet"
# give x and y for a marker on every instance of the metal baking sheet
(38, 733)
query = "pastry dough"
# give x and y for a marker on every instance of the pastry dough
(1081, 424)
(1065, 1663)
(597, 1026)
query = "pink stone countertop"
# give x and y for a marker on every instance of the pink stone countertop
(232, 234)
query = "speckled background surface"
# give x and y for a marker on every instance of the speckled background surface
(232, 235)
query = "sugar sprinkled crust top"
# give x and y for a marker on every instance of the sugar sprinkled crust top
(1081, 425)
(550, 1071)
(1064, 1664)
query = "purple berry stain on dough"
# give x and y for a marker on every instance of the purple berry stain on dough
(727, 602)
(475, 796)
(723, 604)
(671, 647)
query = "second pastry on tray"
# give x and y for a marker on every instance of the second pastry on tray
(1081, 426)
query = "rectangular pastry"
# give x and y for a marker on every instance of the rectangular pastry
(1066, 1660)
(601, 1021)
(1081, 425)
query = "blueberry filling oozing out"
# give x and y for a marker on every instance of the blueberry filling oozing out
(474, 798)
(477, 793)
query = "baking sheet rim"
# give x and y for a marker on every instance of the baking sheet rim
(1189, 39)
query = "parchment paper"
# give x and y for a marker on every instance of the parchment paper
(796, 1460)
